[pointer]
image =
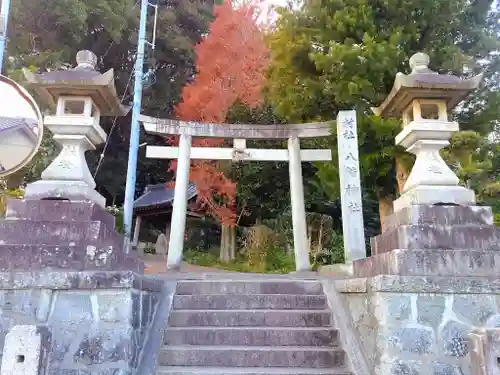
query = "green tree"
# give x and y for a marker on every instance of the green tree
(342, 54)
(47, 34)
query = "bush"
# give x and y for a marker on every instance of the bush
(117, 212)
(264, 249)
(261, 254)
(332, 253)
(277, 261)
(201, 258)
(6, 194)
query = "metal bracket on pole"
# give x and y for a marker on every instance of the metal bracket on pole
(2, 26)
(153, 42)
(4, 15)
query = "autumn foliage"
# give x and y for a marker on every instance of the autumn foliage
(231, 65)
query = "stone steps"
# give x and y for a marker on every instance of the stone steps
(248, 318)
(249, 287)
(179, 370)
(274, 327)
(252, 336)
(254, 356)
(250, 302)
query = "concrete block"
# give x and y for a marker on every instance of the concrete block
(26, 351)
(105, 346)
(439, 237)
(454, 340)
(440, 215)
(485, 351)
(52, 210)
(474, 309)
(56, 233)
(417, 262)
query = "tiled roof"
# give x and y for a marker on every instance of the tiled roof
(159, 194)
(9, 123)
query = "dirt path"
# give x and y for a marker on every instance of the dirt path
(156, 264)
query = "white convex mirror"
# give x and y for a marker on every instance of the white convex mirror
(21, 127)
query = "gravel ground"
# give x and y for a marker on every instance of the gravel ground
(158, 264)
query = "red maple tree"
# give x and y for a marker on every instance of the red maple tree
(231, 65)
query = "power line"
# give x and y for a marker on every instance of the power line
(101, 157)
(120, 30)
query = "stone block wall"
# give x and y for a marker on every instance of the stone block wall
(420, 325)
(98, 320)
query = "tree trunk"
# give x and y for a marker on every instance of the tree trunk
(402, 173)
(228, 243)
(320, 235)
(384, 210)
(15, 180)
(309, 238)
(223, 244)
(232, 252)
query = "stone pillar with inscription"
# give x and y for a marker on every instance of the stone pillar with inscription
(350, 187)
(428, 299)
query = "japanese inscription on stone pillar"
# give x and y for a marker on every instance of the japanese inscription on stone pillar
(350, 187)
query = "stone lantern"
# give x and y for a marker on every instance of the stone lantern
(79, 96)
(423, 99)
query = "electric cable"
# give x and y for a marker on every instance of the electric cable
(101, 157)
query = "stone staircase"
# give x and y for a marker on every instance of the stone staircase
(251, 327)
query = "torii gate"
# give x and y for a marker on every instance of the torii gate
(348, 157)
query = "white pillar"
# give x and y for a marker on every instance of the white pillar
(298, 207)
(137, 230)
(168, 231)
(178, 224)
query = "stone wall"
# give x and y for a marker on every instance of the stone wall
(420, 325)
(98, 320)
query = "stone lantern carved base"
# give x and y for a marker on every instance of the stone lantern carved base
(68, 176)
(431, 181)
(432, 195)
(74, 191)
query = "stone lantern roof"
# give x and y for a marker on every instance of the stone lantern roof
(83, 80)
(423, 83)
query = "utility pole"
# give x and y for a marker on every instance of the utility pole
(136, 111)
(4, 17)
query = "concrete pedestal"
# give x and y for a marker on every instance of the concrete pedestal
(62, 235)
(433, 241)
(435, 194)
(433, 280)
(64, 190)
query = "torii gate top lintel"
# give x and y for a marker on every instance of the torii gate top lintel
(158, 126)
